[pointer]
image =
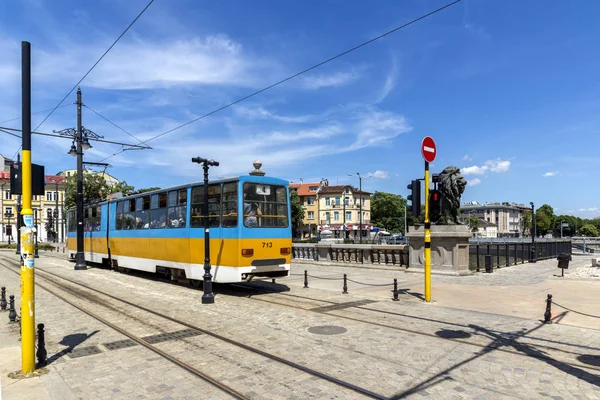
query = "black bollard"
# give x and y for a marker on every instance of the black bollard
(12, 314)
(305, 279)
(273, 280)
(41, 351)
(395, 290)
(548, 313)
(3, 299)
(345, 285)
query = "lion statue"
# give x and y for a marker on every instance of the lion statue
(452, 185)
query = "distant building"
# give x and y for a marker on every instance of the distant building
(5, 163)
(508, 217)
(308, 198)
(110, 180)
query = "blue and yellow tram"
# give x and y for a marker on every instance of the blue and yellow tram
(163, 230)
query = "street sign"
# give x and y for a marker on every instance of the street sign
(428, 149)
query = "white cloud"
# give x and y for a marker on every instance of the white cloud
(473, 182)
(551, 173)
(590, 210)
(333, 80)
(474, 170)
(379, 174)
(467, 158)
(262, 113)
(497, 166)
(390, 82)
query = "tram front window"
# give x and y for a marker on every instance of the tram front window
(265, 206)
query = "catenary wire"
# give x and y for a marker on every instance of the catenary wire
(113, 124)
(35, 113)
(298, 74)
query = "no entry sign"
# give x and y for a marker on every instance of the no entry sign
(428, 149)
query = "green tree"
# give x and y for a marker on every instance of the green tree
(49, 226)
(297, 211)
(387, 211)
(589, 230)
(147, 189)
(544, 219)
(94, 189)
(122, 187)
(474, 223)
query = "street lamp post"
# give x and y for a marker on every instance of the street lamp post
(80, 137)
(56, 212)
(208, 297)
(360, 225)
(533, 250)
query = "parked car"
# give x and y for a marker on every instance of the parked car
(397, 239)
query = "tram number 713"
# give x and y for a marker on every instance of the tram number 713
(267, 244)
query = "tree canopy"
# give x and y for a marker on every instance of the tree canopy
(296, 210)
(387, 211)
(589, 230)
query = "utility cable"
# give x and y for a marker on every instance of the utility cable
(299, 73)
(113, 124)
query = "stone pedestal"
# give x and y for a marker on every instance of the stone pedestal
(449, 249)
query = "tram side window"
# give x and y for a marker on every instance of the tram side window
(142, 206)
(214, 205)
(120, 215)
(176, 208)
(229, 211)
(158, 214)
(72, 221)
(129, 214)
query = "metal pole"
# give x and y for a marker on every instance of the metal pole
(533, 249)
(208, 297)
(56, 214)
(19, 215)
(80, 256)
(427, 239)
(405, 227)
(360, 207)
(27, 258)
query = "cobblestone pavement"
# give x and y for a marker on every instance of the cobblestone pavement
(403, 349)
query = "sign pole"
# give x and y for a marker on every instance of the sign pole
(26, 233)
(427, 243)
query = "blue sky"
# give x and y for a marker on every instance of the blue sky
(508, 89)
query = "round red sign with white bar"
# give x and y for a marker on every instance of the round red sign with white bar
(428, 149)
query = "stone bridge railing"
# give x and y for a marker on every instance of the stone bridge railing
(358, 255)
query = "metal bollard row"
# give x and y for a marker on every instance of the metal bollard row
(12, 313)
(548, 313)
(3, 299)
(345, 285)
(41, 351)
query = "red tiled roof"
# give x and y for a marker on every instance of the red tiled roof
(50, 179)
(303, 188)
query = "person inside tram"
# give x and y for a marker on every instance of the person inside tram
(251, 213)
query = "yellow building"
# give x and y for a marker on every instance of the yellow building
(335, 206)
(45, 207)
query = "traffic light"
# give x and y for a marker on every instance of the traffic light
(435, 205)
(415, 197)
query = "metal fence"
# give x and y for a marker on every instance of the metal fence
(504, 254)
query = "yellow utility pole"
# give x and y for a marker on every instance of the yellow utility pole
(27, 231)
(427, 238)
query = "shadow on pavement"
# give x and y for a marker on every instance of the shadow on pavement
(499, 340)
(71, 341)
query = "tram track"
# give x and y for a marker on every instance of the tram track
(92, 298)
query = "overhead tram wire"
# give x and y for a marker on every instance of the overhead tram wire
(92, 68)
(113, 124)
(35, 113)
(96, 63)
(298, 74)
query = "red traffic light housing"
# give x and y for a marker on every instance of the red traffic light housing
(435, 205)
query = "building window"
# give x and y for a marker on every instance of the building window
(347, 201)
(48, 196)
(311, 215)
(336, 215)
(327, 201)
(68, 174)
(7, 195)
(337, 201)
(49, 213)
(347, 190)
(8, 210)
(348, 215)
(363, 201)
(313, 188)
(327, 217)
(310, 201)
